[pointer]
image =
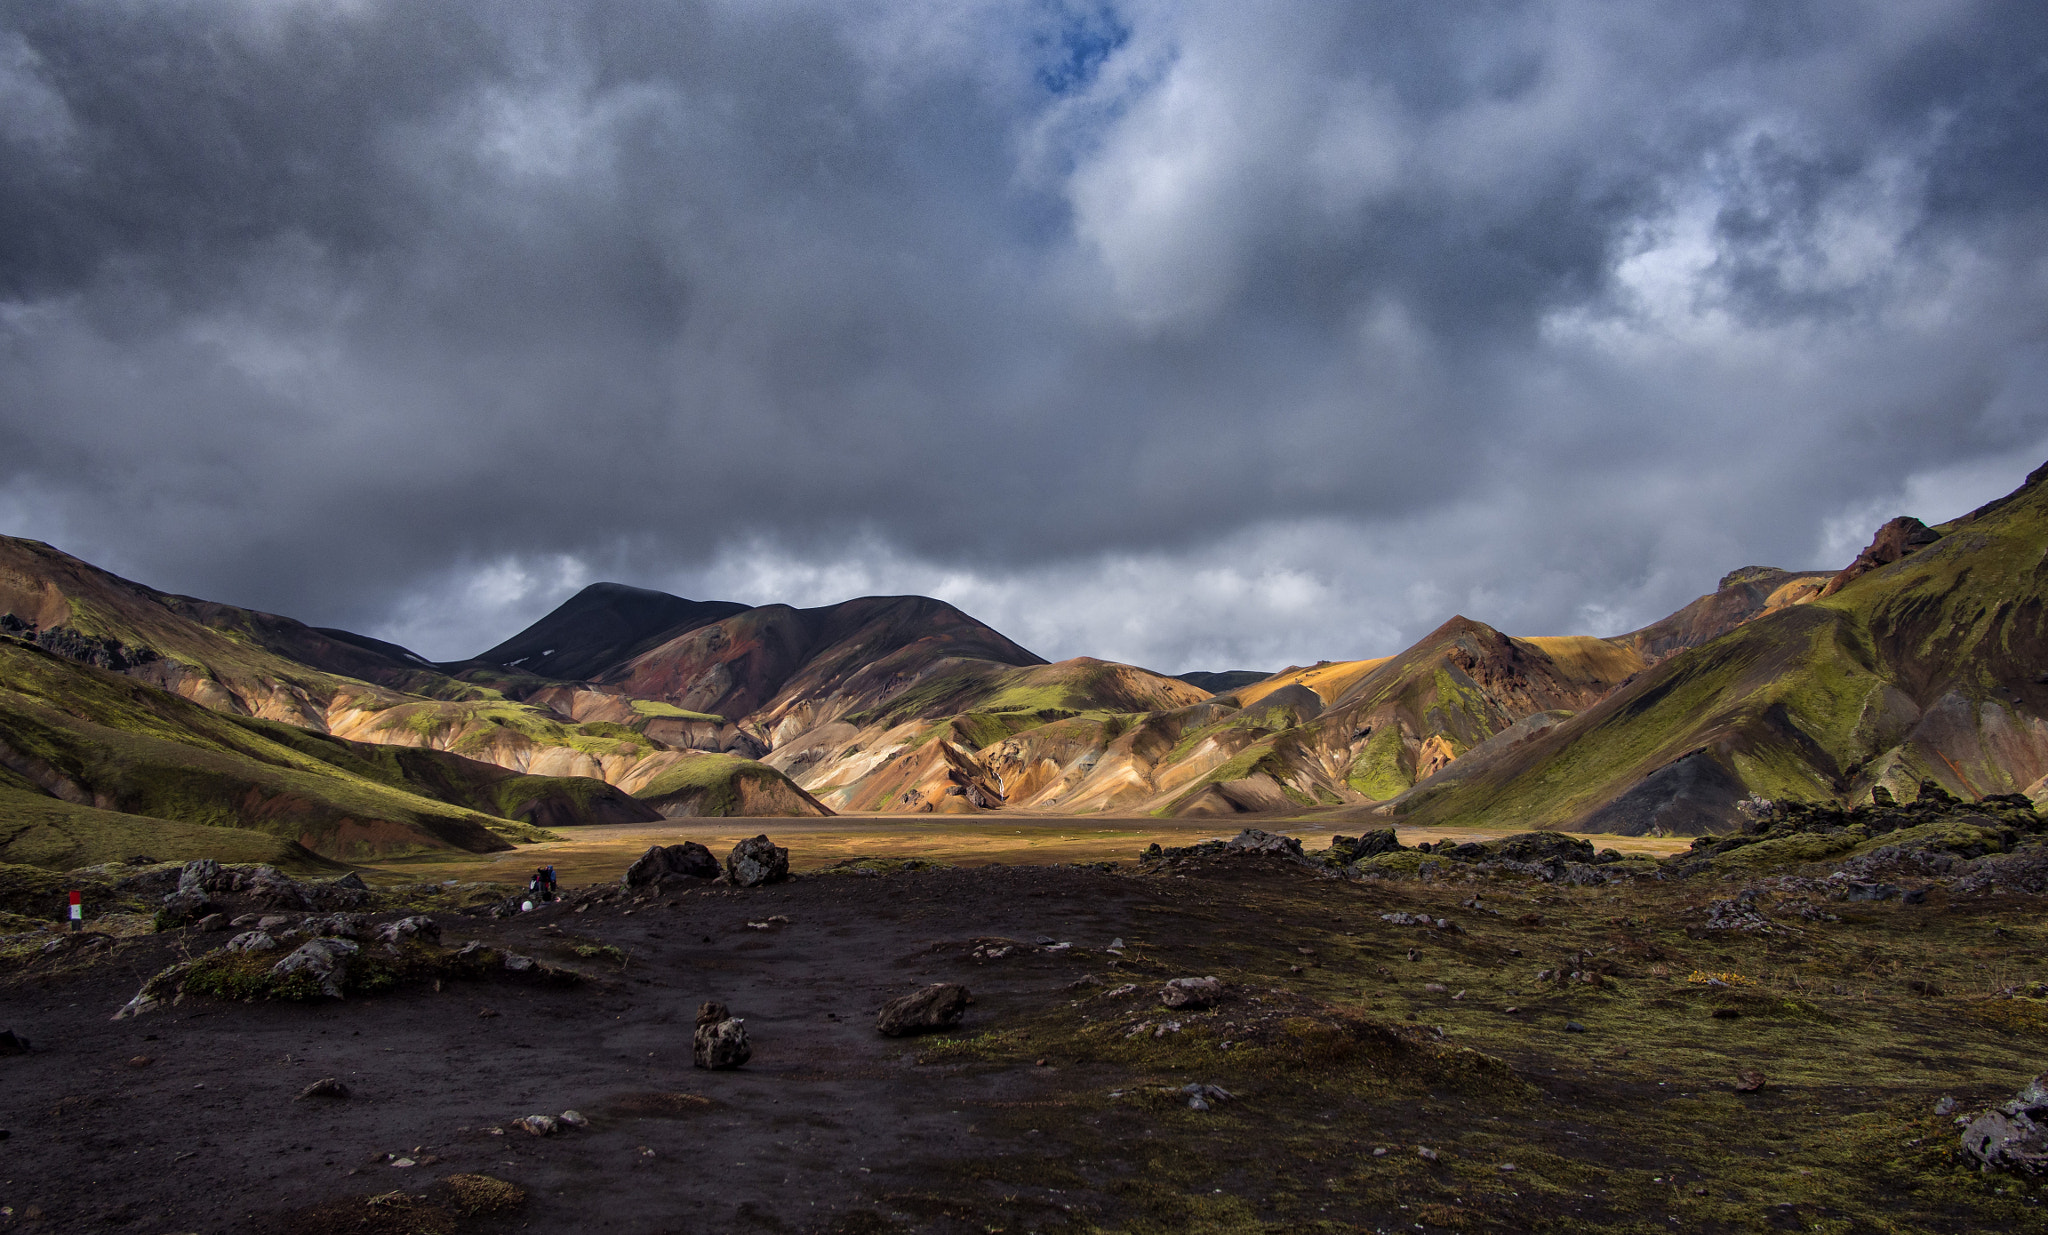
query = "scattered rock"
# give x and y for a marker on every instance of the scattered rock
(251, 941)
(1737, 914)
(1574, 1027)
(1425, 1153)
(721, 1039)
(755, 861)
(1749, 1081)
(516, 963)
(1200, 1096)
(325, 1087)
(574, 1119)
(2012, 1136)
(140, 1061)
(326, 961)
(1191, 992)
(12, 1043)
(213, 922)
(688, 860)
(938, 1006)
(537, 1125)
(419, 926)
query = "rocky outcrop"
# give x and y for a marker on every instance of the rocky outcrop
(324, 962)
(938, 1006)
(1901, 537)
(2012, 1136)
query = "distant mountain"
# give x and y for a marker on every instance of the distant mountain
(1928, 662)
(602, 626)
(1927, 657)
(1227, 680)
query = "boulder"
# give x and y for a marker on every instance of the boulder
(202, 875)
(1253, 840)
(1191, 992)
(938, 1006)
(687, 860)
(419, 926)
(325, 1087)
(185, 906)
(338, 926)
(721, 1039)
(2012, 1136)
(326, 961)
(538, 1125)
(755, 861)
(251, 941)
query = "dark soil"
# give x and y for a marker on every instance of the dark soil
(1044, 1110)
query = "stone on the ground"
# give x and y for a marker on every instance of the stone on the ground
(720, 1042)
(337, 925)
(326, 961)
(185, 906)
(687, 860)
(12, 1043)
(418, 926)
(538, 1125)
(1254, 840)
(1190, 992)
(1749, 1081)
(251, 941)
(938, 1006)
(755, 861)
(213, 922)
(325, 1087)
(574, 1119)
(2012, 1136)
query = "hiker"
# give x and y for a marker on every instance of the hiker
(539, 888)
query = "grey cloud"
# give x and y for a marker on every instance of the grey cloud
(1553, 307)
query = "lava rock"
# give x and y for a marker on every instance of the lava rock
(251, 941)
(325, 1087)
(755, 861)
(326, 961)
(938, 1006)
(2012, 1136)
(419, 926)
(720, 1042)
(1191, 992)
(185, 906)
(687, 860)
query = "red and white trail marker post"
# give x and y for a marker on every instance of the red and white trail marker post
(77, 910)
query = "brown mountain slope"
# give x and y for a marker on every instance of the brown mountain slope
(1927, 666)
(1742, 595)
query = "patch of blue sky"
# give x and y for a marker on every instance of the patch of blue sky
(1073, 52)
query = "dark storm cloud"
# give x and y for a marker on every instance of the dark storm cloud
(1165, 330)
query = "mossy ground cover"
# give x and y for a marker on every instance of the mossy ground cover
(1343, 1034)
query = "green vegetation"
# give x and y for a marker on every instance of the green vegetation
(654, 709)
(1382, 769)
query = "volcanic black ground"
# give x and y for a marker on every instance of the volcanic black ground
(1348, 1044)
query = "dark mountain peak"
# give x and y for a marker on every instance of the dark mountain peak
(600, 626)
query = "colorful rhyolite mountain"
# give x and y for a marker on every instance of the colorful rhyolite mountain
(121, 705)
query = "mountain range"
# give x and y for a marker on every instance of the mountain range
(134, 720)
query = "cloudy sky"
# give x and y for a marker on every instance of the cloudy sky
(1201, 335)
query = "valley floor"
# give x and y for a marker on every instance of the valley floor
(1348, 1044)
(602, 852)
